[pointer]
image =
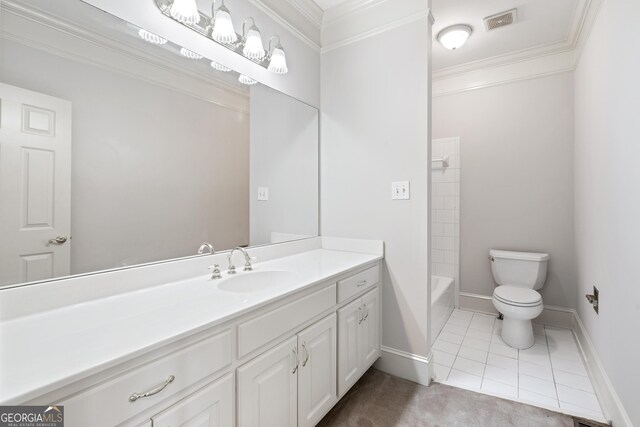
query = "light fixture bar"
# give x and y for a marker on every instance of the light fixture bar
(165, 7)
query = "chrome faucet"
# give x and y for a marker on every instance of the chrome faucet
(206, 247)
(247, 260)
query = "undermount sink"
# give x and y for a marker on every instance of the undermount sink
(257, 281)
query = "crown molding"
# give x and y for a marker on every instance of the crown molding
(356, 20)
(37, 29)
(297, 16)
(523, 64)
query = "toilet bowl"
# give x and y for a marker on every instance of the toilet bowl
(518, 276)
(518, 306)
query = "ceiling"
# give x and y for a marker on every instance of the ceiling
(326, 4)
(540, 22)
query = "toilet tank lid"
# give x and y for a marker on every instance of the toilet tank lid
(525, 256)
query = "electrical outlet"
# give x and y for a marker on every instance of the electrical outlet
(400, 190)
(263, 194)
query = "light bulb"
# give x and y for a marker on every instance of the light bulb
(189, 54)
(455, 36)
(220, 67)
(185, 11)
(223, 31)
(253, 44)
(246, 80)
(150, 37)
(278, 62)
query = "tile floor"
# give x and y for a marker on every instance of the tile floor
(469, 353)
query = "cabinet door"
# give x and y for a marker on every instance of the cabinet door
(369, 333)
(212, 406)
(317, 375)
(349, 318)
(268, 388)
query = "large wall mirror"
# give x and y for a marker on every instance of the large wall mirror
(116, 152)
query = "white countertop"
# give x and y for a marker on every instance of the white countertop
(45, 351)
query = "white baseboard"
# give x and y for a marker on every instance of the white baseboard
(552, 316)
(609, 400)
(568, 318)
(405, 365)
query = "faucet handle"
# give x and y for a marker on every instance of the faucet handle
(215, 274)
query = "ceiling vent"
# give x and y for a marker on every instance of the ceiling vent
(501, 19)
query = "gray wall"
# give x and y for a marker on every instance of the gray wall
(516, 142)
(284, 158)
(607, 191)
(154, 172)
(374, 131)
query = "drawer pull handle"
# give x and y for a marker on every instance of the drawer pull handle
(295, 353)
(136, 396)
(360, 317)
(361, 283)
(306, 354)
(366, 312)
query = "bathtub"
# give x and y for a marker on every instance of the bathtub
(442, 303)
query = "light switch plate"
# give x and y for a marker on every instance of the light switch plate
(400, 190)
(263, 194)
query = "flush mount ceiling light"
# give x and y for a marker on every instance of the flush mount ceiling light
(185, 11)
(217, 66)
(252, 40)
(277, 58)
(455, 36)
(189, 53)
(246, 80)
(223, 31)
(151, 38)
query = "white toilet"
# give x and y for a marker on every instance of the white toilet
(518, 275)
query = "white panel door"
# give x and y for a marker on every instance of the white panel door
(268, 388)
(212, 406)
(349, 318)
(369, 334)
(35, 185)
(318, 368)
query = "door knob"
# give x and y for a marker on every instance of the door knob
(60, 240)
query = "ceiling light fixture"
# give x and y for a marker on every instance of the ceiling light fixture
(218, 66)
(252, 41)
(185, 11)
(223, 31)
(277, 58)
(151, 38)
(246, 80)
(189, 54)
(455, 36)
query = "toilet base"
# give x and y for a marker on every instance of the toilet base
(517, 333)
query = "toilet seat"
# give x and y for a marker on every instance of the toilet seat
(517, 297)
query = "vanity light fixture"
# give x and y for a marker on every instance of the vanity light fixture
(223, 31)
(150, 37)
(277, 58)
(219, 28)
(252, 41)
(218, 66)
(185, 11)
(246, 80)
(455, 36)
(189, 54)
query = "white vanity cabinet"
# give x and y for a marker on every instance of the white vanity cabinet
(212, 406)
(358, 338)
(294, 383)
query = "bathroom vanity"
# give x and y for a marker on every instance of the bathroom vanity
(276, 346)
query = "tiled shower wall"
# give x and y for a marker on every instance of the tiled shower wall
(446, 209)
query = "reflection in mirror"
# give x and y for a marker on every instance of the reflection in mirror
(117, 150)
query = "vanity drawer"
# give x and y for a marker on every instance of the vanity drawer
(269, 326)
(110, 403)
(358, 283)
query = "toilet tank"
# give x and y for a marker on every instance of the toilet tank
(520, 269)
